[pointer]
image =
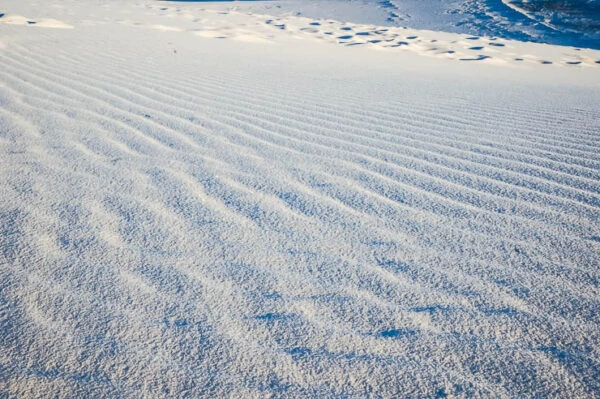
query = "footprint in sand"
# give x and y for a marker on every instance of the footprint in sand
(351, 35)
(480, 57)
(270, 22)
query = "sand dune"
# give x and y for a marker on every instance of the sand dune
(199, 202)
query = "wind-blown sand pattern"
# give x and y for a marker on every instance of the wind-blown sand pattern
(188, 216)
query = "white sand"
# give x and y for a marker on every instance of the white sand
(195, 202)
